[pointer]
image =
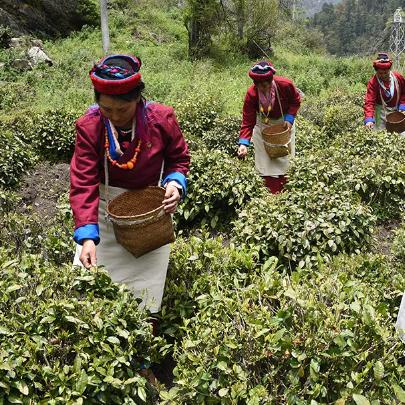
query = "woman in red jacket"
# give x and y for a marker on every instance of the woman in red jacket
(145, 145)
(385, 93)
(270, 100)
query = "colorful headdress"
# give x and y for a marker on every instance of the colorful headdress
(382, 62)
(116, 74)
(262, 71)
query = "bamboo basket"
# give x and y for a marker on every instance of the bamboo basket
(395, 122)
(139, 221)
(277, 140)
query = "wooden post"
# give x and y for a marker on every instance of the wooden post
(104, 26)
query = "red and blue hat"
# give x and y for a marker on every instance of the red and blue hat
(382, 62)
(116, 74)
(262, 71)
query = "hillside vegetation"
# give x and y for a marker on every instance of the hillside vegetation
(270, 299)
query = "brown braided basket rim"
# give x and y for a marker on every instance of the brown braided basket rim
(395, 114)
(124, 195)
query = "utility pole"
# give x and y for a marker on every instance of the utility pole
(104, 26)
(397, 39)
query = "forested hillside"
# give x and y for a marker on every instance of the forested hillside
(270, 299)
(313, 6)
(356, 26)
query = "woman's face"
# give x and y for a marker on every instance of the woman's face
(383, 74)
(119, 112)
(264, 86)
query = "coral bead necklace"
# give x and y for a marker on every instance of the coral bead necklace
(125, 166)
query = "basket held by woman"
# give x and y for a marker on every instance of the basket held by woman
(139, 220)
(277, 140)
(395, 122)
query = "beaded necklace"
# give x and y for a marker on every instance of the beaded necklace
(266, 115)
(130, 164)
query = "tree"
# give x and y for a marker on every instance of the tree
(251, 24)
(200, 19)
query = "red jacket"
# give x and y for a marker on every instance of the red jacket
(163, 141)
(290, 102)
(373, 97)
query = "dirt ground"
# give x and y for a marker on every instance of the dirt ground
(384, 236)
(42, 188)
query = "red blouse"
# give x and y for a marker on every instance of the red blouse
(290, 102)
(163, 141)
(373, 96)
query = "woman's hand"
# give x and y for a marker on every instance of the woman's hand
(288, 123)
(242, 151)
(172, 198)
(370, 125)
(88, 255)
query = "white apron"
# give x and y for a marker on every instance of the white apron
(383, 110)
(265, 165)
(400, 325)
(145, 275)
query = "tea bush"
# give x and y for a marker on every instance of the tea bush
(70, 336)
(9, 200)
(16, 157)
(58, 246)
(309, 137)
(196, 263)
(198, 114)
(224, 135)
(341, 118)
(336, 101)
(29, 232)
(21, 233)
(320, 336)
(53, 134)
(366, 162)
(398, 244)
(300, 226)
(219, 187)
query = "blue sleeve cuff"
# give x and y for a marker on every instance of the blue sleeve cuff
(401, 107)
(289, 118)
(369, 119)
(243, 141)
(179, 178)
(89, 231)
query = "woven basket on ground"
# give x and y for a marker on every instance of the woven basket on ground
(139, 221)
(277, 140)
(395, 122)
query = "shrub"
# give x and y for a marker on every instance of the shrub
(398, 245)
(341, 118)
(196, 263)
(29, 232)
(224, 135)
(363, 161)
(16, 158)
(335, 101)
(320, 336)
(197, 114)
(53, 134)
(309, 136)
(219, 187)
(300, 226)
(9, 200)
(70, 335)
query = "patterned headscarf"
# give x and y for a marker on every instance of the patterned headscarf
(116, 74)
(262, 71)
